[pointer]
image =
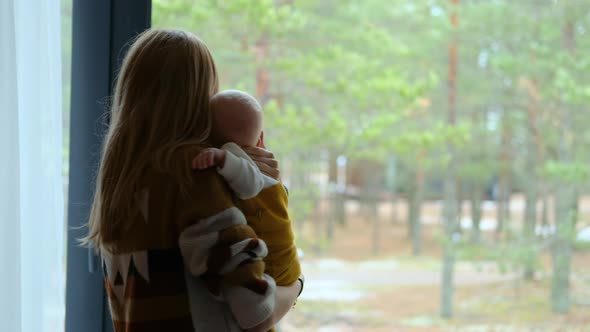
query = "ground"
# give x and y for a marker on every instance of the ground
(349, 288)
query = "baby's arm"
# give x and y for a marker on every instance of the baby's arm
(208, 158)
(236, 167)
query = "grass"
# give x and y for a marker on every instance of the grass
(392, 303)
(330, 312)
(505, 306)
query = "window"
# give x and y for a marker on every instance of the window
(419, 138)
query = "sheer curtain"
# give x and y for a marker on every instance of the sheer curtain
(32, 233)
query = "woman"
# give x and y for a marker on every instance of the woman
(147, 197)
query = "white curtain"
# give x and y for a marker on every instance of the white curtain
(32, 231)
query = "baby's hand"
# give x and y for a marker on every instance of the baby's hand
(208, 158)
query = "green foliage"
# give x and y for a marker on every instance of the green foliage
(368, 80)
(304, 134)
(348, 90)
(566, 172)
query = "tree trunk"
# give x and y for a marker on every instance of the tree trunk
(339, 206)
(411, 206)
(503, 199)
(391, 179)
(376, 229)
(450, 220)
(575, 208)
(533, 157)
(394, 209)
(332, 166)
(450, 200)
(371, 202)
(415, 212)
(562, 250)
(565, 198)
(460, 199)
(545, 212)
(315, 215)
(317, 245)
(296, 182)
(476, 212)
(330, 227)
(262, 74)
(530, 217)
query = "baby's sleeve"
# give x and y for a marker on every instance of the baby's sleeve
(240, 172)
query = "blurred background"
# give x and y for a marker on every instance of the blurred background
(435, 151)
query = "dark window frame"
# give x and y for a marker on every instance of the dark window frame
(101, 32)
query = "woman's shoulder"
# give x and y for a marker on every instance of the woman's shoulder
(186, 153)
(201, 192)
(178, 160)
(190, 179)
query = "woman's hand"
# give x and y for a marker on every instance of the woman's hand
(285, 298)
(265, 160)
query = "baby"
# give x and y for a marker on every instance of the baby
(237, 122)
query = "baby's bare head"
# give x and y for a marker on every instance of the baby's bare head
(237, 117)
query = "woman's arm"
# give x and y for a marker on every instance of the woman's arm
(285, 297)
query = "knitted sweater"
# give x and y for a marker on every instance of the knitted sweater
(159, 258)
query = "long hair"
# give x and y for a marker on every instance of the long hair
(160, 103)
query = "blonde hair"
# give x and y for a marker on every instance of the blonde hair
(160, 103)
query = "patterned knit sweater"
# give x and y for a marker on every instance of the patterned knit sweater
(159, 257)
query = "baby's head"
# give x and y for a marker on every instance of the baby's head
(237, 117)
